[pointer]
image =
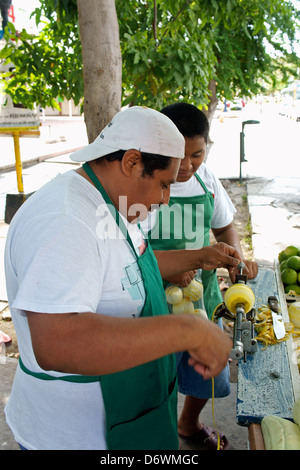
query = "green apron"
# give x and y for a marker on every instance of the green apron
(140, 403)
(185, 224)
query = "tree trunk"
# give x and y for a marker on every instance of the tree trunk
(210, 111)
(212, 86)
(102, 63)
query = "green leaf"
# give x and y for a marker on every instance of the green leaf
(198, 41)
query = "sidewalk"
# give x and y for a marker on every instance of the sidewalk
(274, 205)
(273, 199)
(59, 135)
(271, 173)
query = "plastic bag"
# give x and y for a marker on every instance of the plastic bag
(187, 299)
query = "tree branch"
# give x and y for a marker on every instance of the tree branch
(155, 21)
(175, 17)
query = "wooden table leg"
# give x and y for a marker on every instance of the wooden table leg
(256, 440)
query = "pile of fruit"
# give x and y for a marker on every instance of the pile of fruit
(296, 353)
(289, 260)
(187, 299)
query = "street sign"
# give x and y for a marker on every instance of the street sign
(18, 117)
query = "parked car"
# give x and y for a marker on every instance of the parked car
(295, 111)
(237, 104)
(290, 109)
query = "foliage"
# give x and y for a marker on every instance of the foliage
(250, 52)
(175, 53)
(171, 50)
(165, 55)
(53, 65)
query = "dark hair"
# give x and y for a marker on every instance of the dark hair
(150, 161)
(189, 120)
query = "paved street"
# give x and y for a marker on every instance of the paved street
(272, 173)
(272, 147)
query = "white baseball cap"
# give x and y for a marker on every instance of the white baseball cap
(139, 128)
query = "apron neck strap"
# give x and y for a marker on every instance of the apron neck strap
(201, 182)
(114, 212)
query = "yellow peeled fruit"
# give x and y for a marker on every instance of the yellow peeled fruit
(174, 294)
(294, 314)
(239, 294)
(193, 291)
(202, 313)
(296, 409)
(185, 306)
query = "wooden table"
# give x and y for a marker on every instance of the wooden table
(269, 382)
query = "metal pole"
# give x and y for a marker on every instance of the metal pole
(16, 136)
(242, 144)
(242, 153)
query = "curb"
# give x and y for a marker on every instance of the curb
(36, 160)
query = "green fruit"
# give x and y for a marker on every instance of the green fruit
(291, 251)
(298, 278)
(283, 265)
(293, 287)
(289, 276)
(294, 263)
(282, 256)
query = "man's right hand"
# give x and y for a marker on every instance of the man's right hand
(211, 354)
(219, 255)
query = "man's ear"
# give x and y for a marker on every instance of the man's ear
(131, 161)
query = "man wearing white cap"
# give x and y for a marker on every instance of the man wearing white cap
(96, 345)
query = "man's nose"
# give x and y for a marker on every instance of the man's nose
(186, 163)
(165, 196)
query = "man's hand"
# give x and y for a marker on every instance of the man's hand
(219, 255)
(211, 354)
(182, 279)
(250, 270)
(174, 262)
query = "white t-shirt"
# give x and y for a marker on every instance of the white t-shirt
(63, 255)
(224, 210)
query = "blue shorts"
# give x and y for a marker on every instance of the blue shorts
(191, 383)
